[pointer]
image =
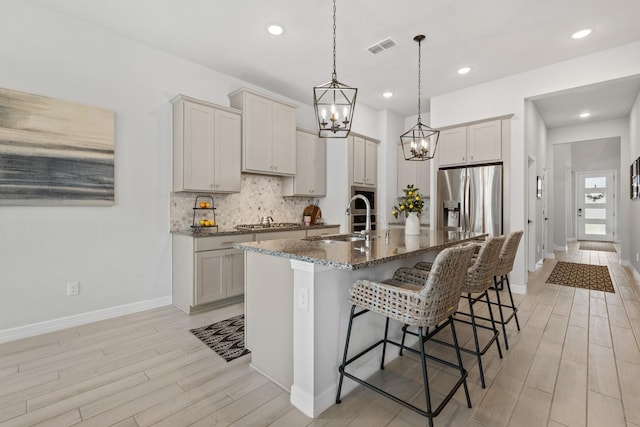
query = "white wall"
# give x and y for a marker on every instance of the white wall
(507, 95)
(536, 142)
(121, 255)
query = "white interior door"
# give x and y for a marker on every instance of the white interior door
(531, 214)
(596, 205)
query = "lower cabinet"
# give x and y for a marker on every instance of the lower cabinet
(219, 275)
(207, 270)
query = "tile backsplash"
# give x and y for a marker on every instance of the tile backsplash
(260, 195)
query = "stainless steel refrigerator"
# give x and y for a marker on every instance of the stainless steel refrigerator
(470, 199)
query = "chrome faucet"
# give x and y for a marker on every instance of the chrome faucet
(367, 227)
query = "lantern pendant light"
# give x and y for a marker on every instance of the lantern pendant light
(419, 143)
(334, 102)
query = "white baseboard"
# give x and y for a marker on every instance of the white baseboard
(518, 289)
(564, 248)
(81, 319)
(550, 255)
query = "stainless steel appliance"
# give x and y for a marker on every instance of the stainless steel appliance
(359, 210)
(470, 199)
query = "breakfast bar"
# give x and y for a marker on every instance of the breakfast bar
(297, 309)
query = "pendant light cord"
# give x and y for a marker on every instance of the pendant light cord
(419, 76)
(334, 75)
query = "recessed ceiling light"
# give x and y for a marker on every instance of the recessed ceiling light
(581, 34)
(387, 94)
(585, 115)
(275, 29)
(464, 70)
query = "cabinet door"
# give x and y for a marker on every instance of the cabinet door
(304, 175)
(198, 147)
(407, 172)
(359, 146)
(234, 272)
(485, 141)
(371, 163)
(452, 146)
(210, 283)
(258, 134)
(283, 139)
(319, 167)
(227, 151)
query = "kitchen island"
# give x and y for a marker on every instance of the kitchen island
(297, 309)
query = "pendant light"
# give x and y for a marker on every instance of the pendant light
(419, 143)
(334, 101)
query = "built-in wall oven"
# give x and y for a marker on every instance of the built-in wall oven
(359, 209)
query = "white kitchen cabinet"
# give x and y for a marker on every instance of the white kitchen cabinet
(268, 133)
(206, 146)
(364, 158)
(311, 169)
(207, 271)
(485, 142)
(475, 143)
(413, 172)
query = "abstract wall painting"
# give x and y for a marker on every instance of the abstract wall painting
(54, 152)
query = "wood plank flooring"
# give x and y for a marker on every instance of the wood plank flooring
(575, 362)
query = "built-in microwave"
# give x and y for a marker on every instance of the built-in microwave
(359, 209)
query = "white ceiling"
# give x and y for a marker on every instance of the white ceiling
(495, 37)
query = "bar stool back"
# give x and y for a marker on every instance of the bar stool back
(431, 306)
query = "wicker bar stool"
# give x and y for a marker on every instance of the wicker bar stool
(479, 279)
(501, 278)
(431, 305)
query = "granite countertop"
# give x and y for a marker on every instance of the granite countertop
(357, 255)
(220, 231)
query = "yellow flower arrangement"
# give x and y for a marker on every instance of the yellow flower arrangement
(412, 201)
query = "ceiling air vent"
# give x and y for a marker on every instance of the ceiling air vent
(381, 46)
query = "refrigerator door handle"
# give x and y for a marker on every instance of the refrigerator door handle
(466, 210)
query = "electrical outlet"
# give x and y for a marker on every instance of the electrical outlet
(73, 288)
(303, 299)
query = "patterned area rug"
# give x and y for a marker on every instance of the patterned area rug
(225, 338)
(597, 246)
(593, 277)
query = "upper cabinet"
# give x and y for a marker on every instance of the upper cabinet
(269, 133)
(364, 161)
(413, 172)
(476, 143)
(206, 146)
(311, 172)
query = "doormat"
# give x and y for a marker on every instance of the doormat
(225, 337)
(597, 246)
(592, 277)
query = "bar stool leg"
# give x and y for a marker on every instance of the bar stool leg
(515, 310)
(475, 339)
(404, 335)
(463, 373)
(425, 375)
(502, 322)
(493, 323)
(384, 345)
(344, 356)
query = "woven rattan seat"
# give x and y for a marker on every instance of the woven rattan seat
(428, 304)
(478, 279)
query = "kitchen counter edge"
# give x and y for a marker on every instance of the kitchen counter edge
(233, 231)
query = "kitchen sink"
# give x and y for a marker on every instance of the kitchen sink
(340, 238)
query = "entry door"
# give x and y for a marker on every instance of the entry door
(596, 205)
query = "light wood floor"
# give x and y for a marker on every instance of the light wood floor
(576, 362)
